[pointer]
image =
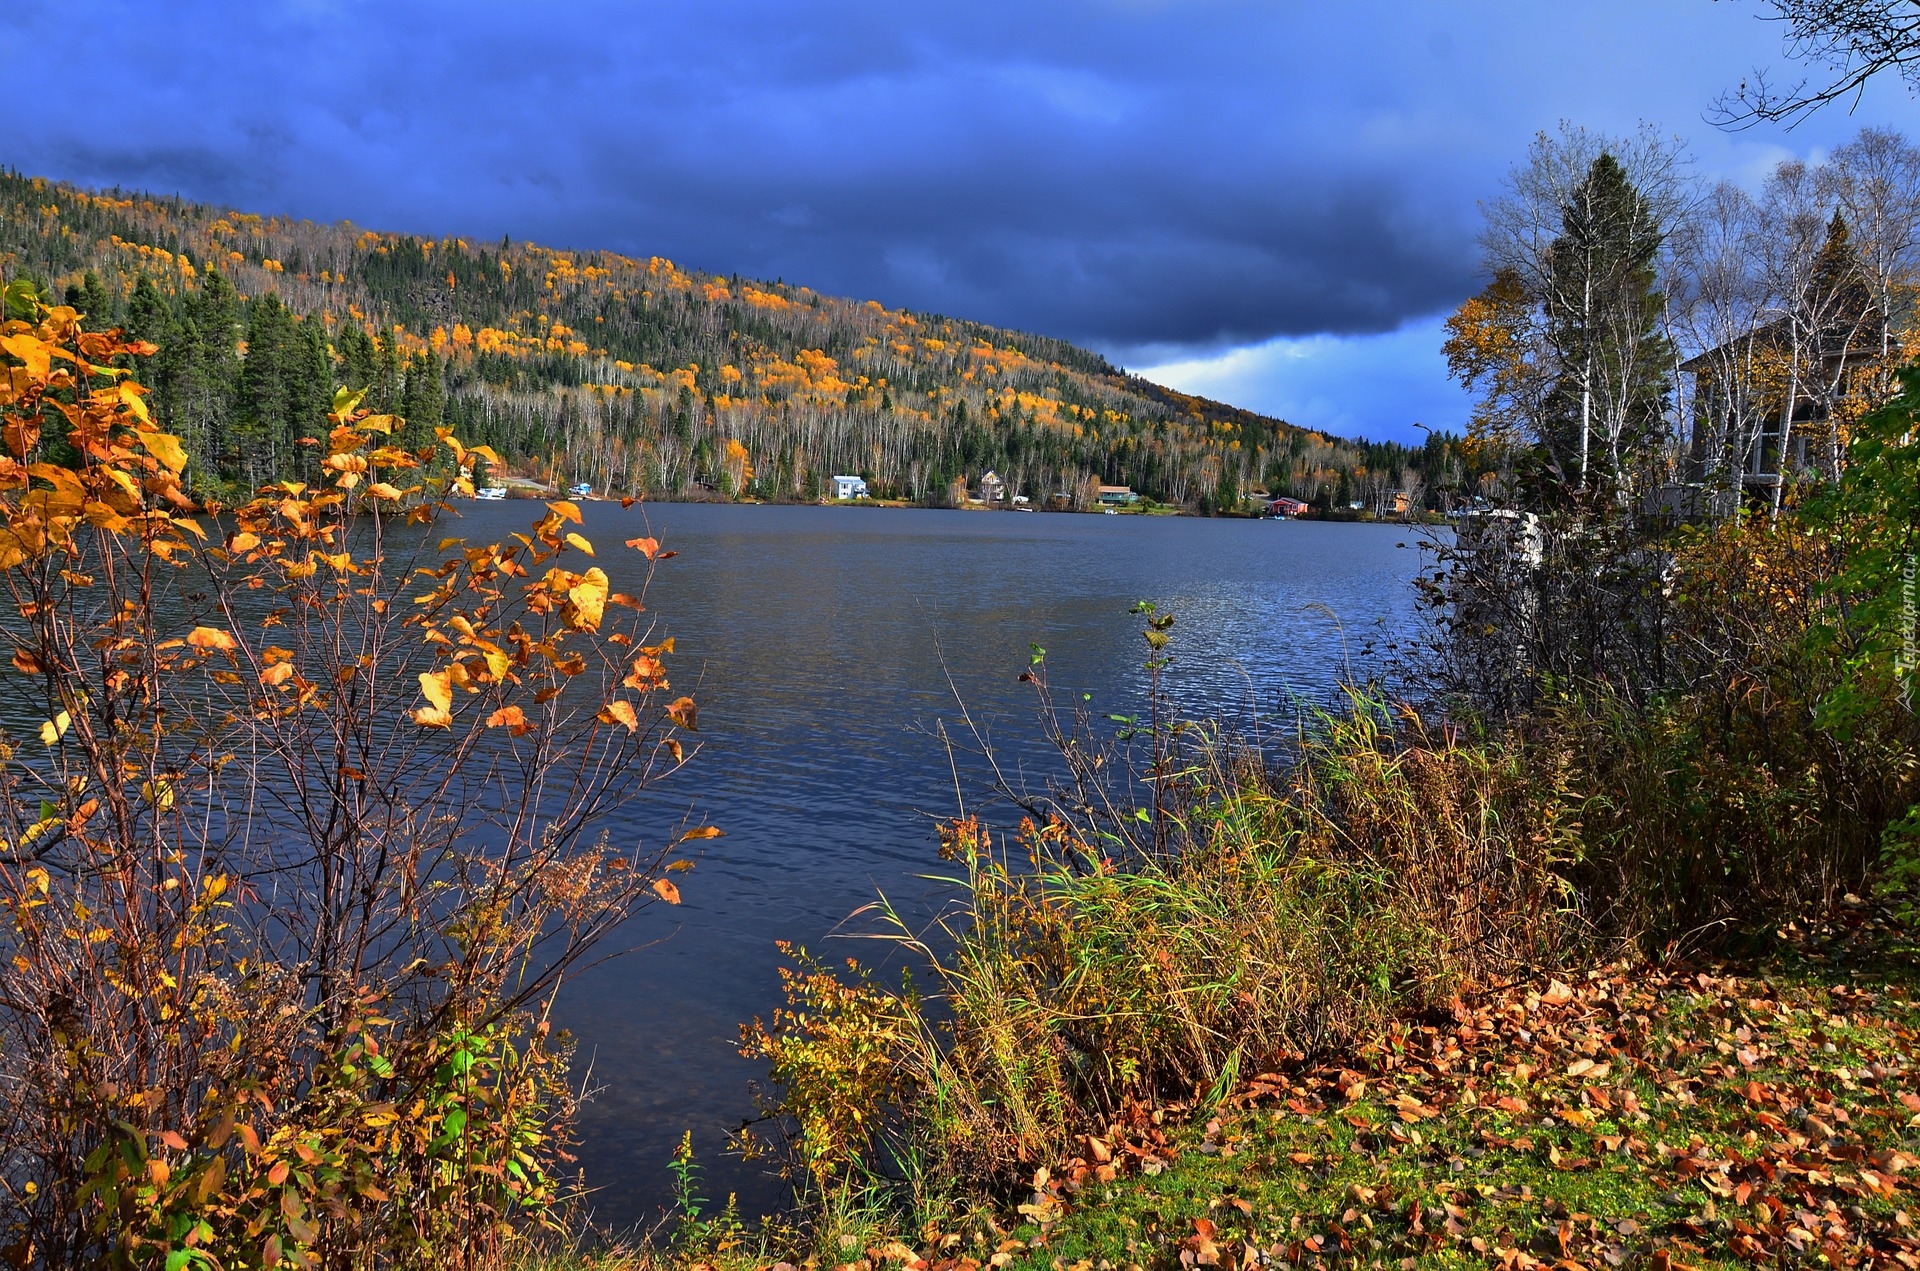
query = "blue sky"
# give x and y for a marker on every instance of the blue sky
(1262, 200)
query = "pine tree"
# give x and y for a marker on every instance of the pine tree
(263, 406)
(423, 403)
(388, 380)
(95, 304)
(354, 348)
(1603, 310)
(1837, 294)
(203, 367)
(309, 392)
(148, 314)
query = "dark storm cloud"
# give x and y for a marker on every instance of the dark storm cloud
(1126, 173)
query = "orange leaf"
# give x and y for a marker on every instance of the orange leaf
(647, 547)
(167, 449)
(130, 398)
(508, 717)
(211, 639)
(26, 662)
(702, 832)
(667, 891)
(684, 713)
(29, 350)
(619, 712)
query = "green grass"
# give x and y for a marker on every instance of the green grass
(1711, 1115)
(1697, 1138)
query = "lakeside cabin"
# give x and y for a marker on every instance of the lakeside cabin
(992, 488)
(1117, 495)
(1286, 507)
(849, 488)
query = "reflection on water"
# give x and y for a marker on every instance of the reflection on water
(825, 645)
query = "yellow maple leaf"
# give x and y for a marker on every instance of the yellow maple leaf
(437, 687)
(619, 712)
(589, 597)
(167, 449)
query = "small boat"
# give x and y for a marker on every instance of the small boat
(491, 492)
(583, 490)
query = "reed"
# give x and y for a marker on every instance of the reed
(1080, 975)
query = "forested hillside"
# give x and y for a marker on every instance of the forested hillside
(636, 375)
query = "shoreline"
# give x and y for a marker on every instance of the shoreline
(527, 493)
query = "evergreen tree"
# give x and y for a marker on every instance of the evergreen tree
(1838, 296)
(263, 409)
(149, 316)
(1603, 310)
(357, 358)
(90, 297)
(309, 374)
(389, 376)
(423, 403)
(1226, 496)
(202, 366)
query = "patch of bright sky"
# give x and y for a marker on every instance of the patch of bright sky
(1382, 387)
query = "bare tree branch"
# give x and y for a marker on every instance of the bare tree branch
(1848, 41)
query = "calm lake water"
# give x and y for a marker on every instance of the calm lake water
(825, 645)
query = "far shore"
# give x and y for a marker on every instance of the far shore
(521, 488)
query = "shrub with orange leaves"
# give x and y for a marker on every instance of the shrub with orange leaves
(297, 815)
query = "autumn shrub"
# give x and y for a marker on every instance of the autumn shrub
(1746, 751)
(1109, 953)
(1872, 634)
(298, 806)
(1755, 783)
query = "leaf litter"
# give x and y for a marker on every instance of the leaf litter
(1660, 1116)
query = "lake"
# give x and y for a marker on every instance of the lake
(825, 646)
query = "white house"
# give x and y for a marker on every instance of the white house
(849, 488)
(992, 488)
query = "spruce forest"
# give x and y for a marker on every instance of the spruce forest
(637, 376)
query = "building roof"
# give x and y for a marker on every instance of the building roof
(1859, 340)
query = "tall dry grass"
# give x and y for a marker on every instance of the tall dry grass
(1279, 912)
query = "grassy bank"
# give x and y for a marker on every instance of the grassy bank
(1394, 991)
(1705, 1114)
